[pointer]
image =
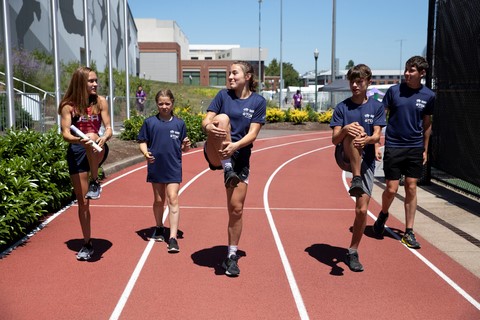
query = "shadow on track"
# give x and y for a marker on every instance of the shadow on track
(328, 255)
(100, 245)
(213, 257)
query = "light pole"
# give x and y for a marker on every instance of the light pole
(400, 77)
(259, 46)
(315, 54)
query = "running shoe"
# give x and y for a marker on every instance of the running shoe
(379, 225)
(173, 246)
(356, 189)
(231, 266)
(94, 190)
(231, 178)
(159, 234)
(85, 253)
(353, 263)
(409, 240)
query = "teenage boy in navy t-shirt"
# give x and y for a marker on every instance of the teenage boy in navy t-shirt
(409, 106)
(357, 124)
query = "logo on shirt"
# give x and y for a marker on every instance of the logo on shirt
(87, 118)
(421, 104)
(247, 113)
(174, 134)
(368, 118)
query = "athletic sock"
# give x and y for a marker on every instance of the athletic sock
(352, 251)
(408, 230)
(227, 164)
(232, 250)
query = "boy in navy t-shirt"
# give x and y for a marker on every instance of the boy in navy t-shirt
(409, 106)
(357, 124)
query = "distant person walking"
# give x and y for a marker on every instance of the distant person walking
(141, 98)
(162, 139)
(297, 100)
(357, 125)
(233, 121)
(409, 110)
(82, 107)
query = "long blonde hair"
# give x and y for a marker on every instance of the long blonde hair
(78, 94)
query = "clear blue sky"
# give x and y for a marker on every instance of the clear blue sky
(368, 31)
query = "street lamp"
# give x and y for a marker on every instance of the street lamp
(315, 54)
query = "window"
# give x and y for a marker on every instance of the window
(191, 78)
(217, 78)
(194, 58)
(208, 58)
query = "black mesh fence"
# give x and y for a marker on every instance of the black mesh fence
(455, 152)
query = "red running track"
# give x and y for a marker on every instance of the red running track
(297, 224)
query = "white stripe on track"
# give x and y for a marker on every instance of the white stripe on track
(283, 256)
(131, 283)
(427, 262)
(138, 269)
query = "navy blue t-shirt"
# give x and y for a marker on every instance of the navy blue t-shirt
(164, 141)
(368, 115)
(407, 107)
(241, 112)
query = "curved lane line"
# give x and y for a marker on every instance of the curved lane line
(283, 256)
(429, 264)
(136, 273)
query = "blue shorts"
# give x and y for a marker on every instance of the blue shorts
(77, 158)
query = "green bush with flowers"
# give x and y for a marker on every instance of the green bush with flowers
(275, 115)
(326, 116)
(298, 116)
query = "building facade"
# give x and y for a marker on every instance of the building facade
(166, 55)
(31, 29)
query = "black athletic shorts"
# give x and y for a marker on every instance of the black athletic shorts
(406, 161)
(77, 158)
(240, 162)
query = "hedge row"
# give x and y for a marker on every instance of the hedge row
(34, 180)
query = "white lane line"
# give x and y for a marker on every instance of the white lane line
(283, 256)
(138, 269)
(222, 208)
(133, 279)
(429, 264)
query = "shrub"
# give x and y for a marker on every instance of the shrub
(325, 117)
(132, 127)
(298, 116)
(275, 115)
(193, 123)
(34, 180)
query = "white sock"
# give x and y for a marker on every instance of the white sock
(227, 164)
(232, 250)
(352, 251)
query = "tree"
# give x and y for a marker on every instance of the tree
(290, 75)
(349, 64)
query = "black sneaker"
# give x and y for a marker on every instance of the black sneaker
(409, 240)
(231, 266)
(173, 246)
(85, 253)
(159, 234)
(231, 178)
(353, 263)
(379, 225)
(94, 190)
(356, 189)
